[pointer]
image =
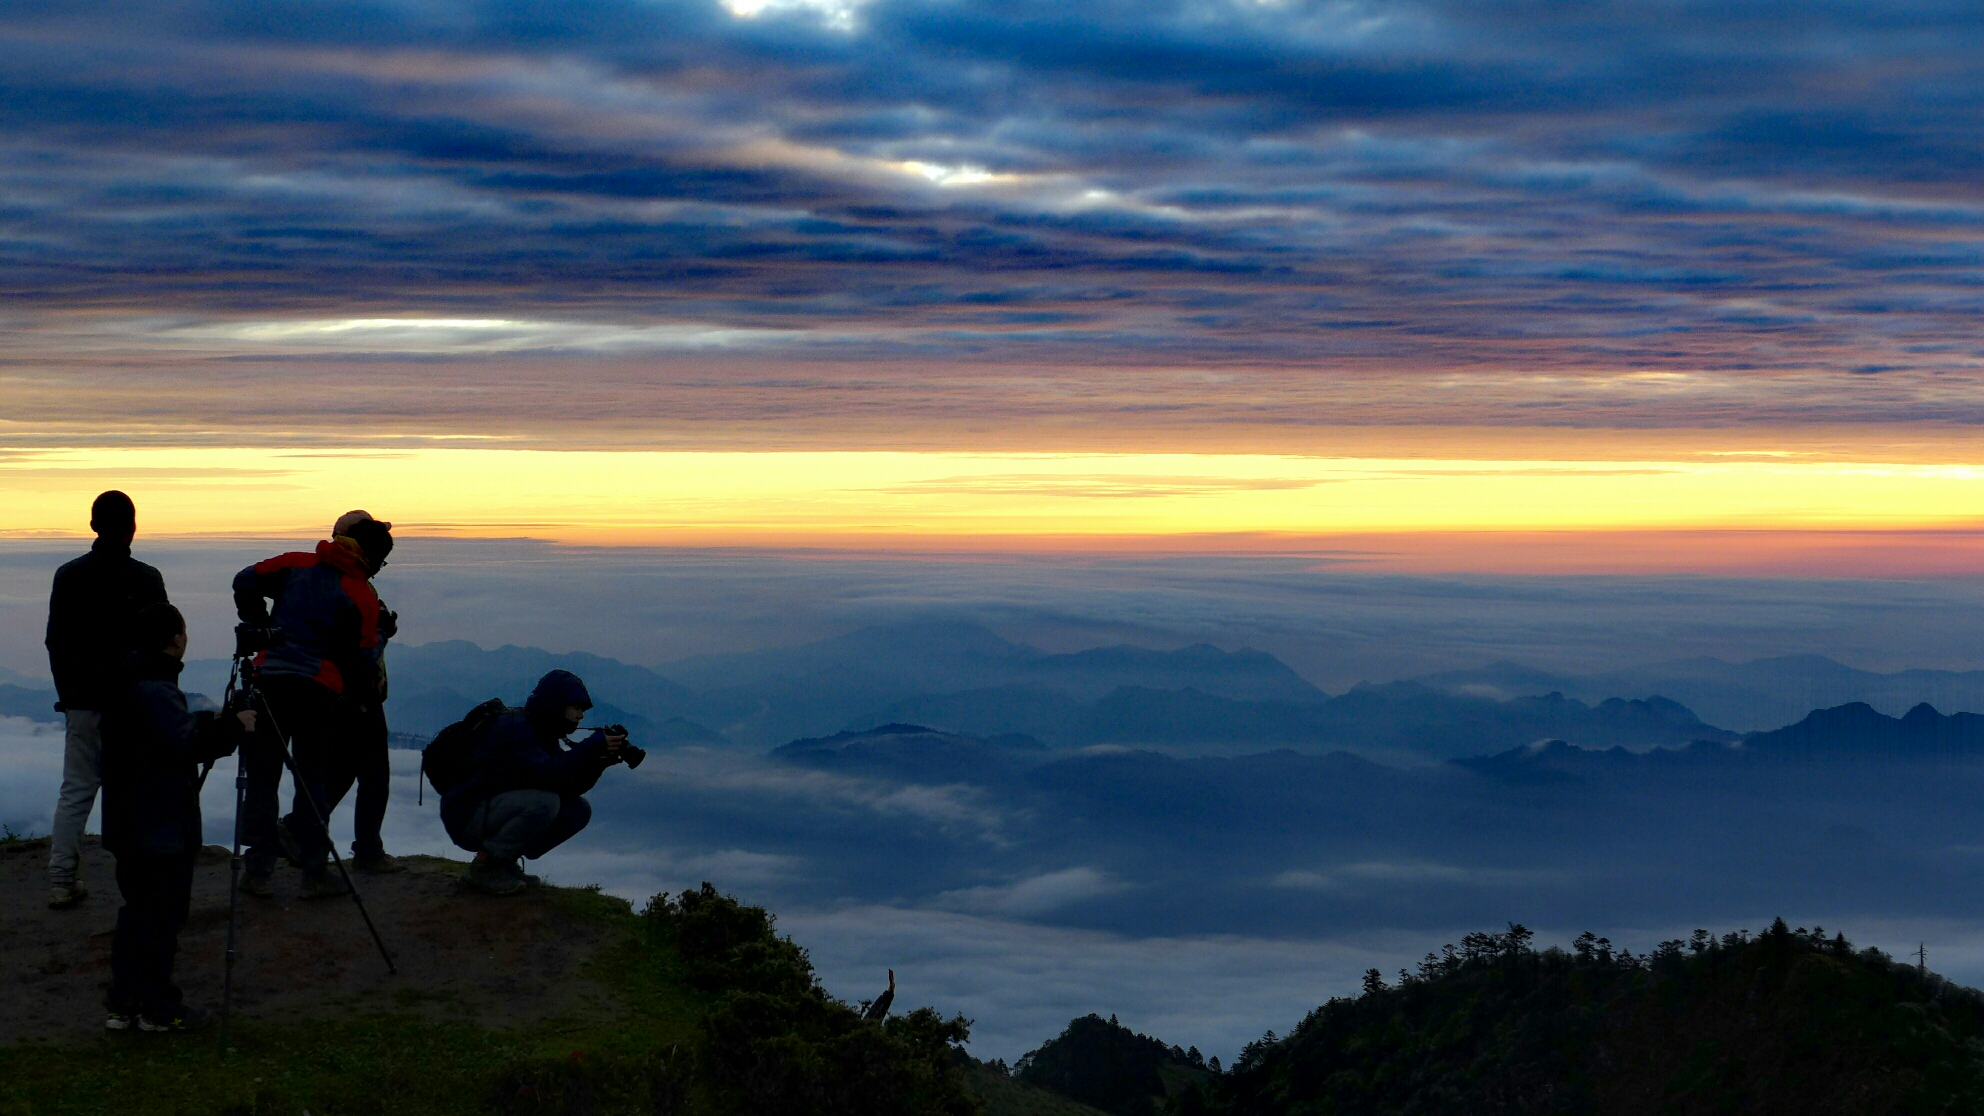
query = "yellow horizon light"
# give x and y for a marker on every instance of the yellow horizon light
(659, 497)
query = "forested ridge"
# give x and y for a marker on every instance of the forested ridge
(1786, 1021)
(1105, 1065)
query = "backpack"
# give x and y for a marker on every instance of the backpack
(449, 759)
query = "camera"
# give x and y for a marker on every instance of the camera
(629, 754)
(252, 639)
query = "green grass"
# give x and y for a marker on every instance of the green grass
(713, 1014)
(391, 1062)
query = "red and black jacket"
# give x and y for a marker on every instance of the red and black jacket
(329, 616)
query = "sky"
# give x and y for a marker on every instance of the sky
(1492, 283)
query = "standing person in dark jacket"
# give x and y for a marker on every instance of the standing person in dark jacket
(152, 751)
(369, 764)
(368, 751)
(322, 682)
(524, 798)
(90, 612)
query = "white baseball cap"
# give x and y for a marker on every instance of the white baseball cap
(352, 519)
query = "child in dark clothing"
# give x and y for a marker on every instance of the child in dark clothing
(152, 751)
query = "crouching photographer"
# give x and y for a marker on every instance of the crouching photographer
(153, 747)
(516, 790)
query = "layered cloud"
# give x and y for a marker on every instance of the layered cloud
(1332, 622)
(924, 214)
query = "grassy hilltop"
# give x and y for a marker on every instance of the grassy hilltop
(692, 1005)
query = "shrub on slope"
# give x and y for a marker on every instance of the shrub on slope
(776, 1044)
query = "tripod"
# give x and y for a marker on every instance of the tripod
(242, 689)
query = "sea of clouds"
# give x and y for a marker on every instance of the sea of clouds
(1025, 901)
(1202, 937)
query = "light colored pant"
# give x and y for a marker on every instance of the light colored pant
(82, 774)
(527, 823)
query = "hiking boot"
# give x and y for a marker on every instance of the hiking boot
(321, 885)
(493, 877)
(378, 864)
(257, 884)
(514, 868)
(65, 895)
(120, 1020)
(183, 1019)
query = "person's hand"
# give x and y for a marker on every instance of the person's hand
(613, 742)
(247, 719)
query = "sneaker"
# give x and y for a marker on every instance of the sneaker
(184, 1019)
(120, 1020)
(378, 864)
(493, 877)
(321, 885)
(63, 896)
(258, 885)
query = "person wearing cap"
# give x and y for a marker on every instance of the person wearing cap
(370, 752)
(525, 797)
(95, 601)
(324, 682)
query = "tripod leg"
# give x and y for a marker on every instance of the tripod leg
(309, 797)
(233, 896)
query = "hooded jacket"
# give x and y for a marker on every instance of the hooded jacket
(152, 751)
(90, 610)
(334, 629)
(525, 749)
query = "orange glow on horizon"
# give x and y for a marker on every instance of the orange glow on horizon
(1723, 514)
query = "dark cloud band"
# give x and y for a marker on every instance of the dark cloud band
(1780, 197)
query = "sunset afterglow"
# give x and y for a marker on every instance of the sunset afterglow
(991, 501)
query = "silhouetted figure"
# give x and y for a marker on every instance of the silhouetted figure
(524, 794)
(153, 746)
(880, 1008)
(90, 613)
(323, 682)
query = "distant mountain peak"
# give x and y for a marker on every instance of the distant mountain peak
(914, 752)
(1756, 694)
(1857, 729)
(894, 729)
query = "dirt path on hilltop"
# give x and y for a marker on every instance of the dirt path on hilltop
(461, 955)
